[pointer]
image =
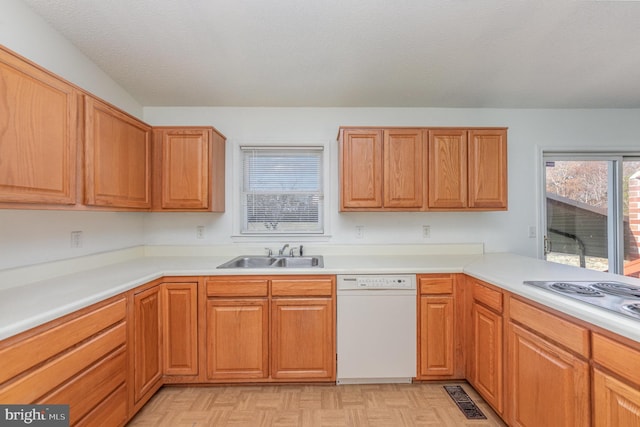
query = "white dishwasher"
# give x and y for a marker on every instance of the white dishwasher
(376, 328)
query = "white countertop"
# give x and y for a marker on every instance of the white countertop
(29, 305)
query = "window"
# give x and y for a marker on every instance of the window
(282, 190)
(592, 211)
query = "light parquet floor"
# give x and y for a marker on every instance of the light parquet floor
(379, 405)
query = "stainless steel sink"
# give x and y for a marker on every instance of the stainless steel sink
(250, 261)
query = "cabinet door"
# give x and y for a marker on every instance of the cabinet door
(361, 169)
(548, 386)
(38, 134)
(117, 158)
(447, 168)
(180, 328)
(615, 403)
(486, 357)
(237, 339)
(185, 169)
(403, 168)
(303, 339)
(147, 341)
(436, 345)
(488, 169)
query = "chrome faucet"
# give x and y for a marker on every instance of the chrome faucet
(284, 248)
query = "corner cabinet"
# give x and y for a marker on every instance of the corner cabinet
(147, 344)
(39, 135)
(485, 361)
(289, 321)
(117, 158)
(189, 169)
(420, 169)
(180, 328)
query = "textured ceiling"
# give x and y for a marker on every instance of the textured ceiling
(361, 53)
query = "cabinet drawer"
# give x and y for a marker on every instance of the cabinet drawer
(570, 335)
(91, 387)
(111, 412)
(25, 354)
(40, 381)
(237, 287)
(436, 285)
(617, 357)
(487, 296)
(302, 287)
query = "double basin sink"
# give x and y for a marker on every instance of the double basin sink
(245, 261)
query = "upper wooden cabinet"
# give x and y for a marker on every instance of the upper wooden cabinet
(117, 158)
(468, 169)
(361, 169)
(381, 169)
(38, 134)
(488, 169)
(188, 169)
(447, 168)
(419, 169)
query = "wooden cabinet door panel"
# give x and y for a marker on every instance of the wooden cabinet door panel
(303, 343)
(361, 169)
(147, 341)
(117, 158)
(403, 168)
(436, 357)
(548, 386)
(447, 169)
(237, 339)
(615, 403)
(180, 328)
(185, 169)
(488, 169)
(38, 134)
(486, 358)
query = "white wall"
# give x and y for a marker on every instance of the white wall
(27, 34)
(29, 237)
(500, 231)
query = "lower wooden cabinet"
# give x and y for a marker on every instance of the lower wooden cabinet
(79, 360)
(616, 382)
(271, 328)
(147, 343)
(302, 343)
(237, 339)
(180, 328)
(485, 358)
(440, 341)
(548, 386)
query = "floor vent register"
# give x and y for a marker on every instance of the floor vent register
(464, 402)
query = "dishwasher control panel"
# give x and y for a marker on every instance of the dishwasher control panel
(381, 281)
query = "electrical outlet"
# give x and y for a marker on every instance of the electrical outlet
(532, 232)
(426, 231)
(76, 239)
(359, 231)
(200, 232)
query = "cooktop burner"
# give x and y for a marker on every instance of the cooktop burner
(572, 288)
(614, 296)
(633, 308)
(620, 289)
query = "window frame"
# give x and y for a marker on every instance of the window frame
(237, 182)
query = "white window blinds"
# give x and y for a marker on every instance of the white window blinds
(282, 190)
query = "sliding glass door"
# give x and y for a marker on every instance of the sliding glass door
(592, 212)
